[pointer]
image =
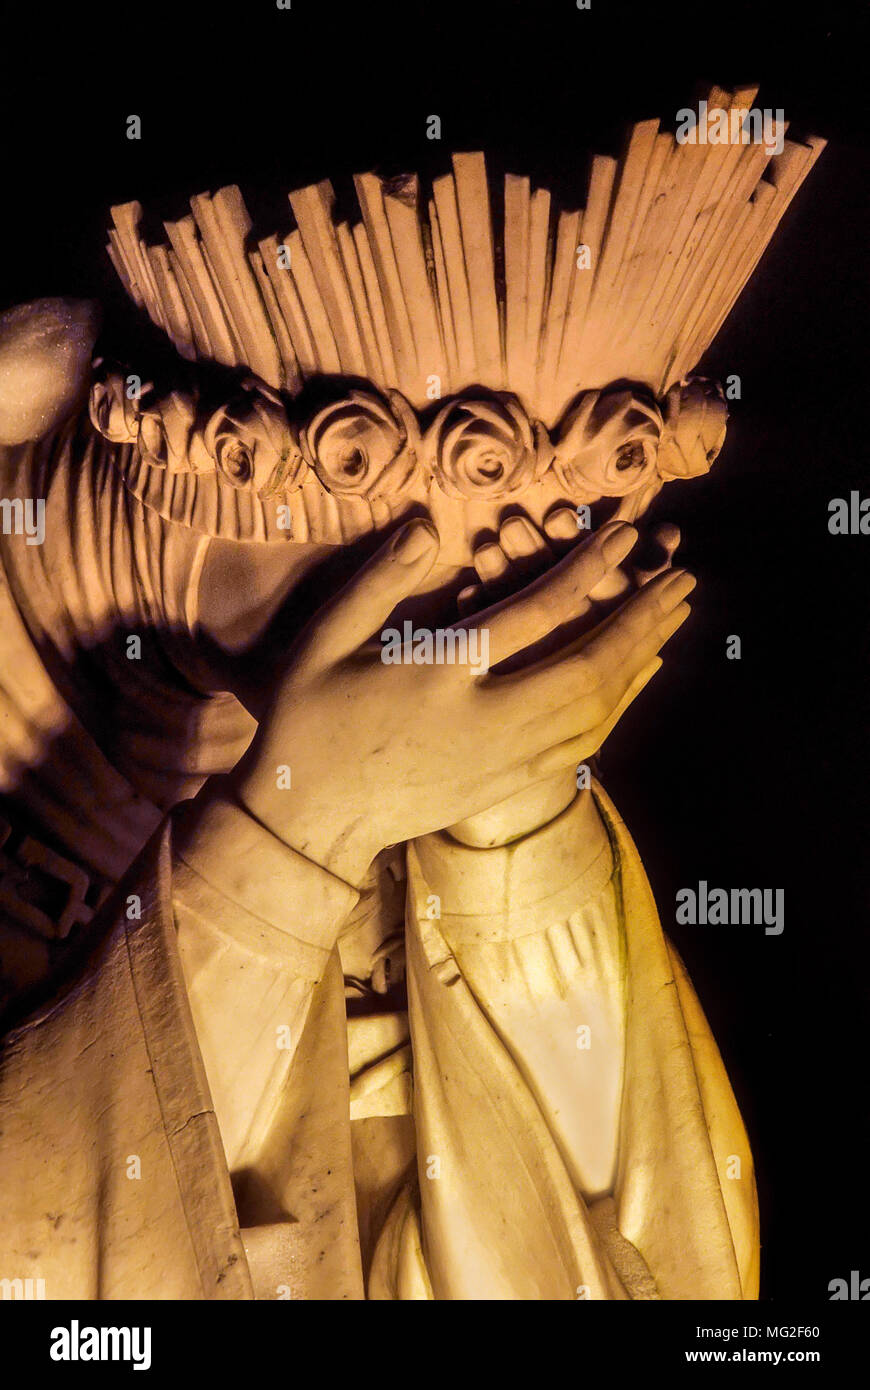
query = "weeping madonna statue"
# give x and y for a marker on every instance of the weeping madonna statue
(329, 970)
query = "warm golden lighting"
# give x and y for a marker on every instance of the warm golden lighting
(330, 970)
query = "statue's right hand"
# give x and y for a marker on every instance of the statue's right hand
(353, 754)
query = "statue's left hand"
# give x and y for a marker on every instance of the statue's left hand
(503, 566)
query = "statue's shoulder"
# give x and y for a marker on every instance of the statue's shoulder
(45, 355)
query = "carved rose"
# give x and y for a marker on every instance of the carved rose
(252, 444)
(486, 446)
(113, 413)
(165, 429)
(606, 444)
(363, 444)
(696, 417)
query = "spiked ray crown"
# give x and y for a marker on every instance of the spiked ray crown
(433, 353)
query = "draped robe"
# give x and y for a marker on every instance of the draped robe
(193, 1115)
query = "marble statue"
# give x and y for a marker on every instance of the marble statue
(308, 649)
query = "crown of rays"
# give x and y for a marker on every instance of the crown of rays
(634, 286)
(478, 349)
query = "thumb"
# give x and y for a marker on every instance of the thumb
(365, 603)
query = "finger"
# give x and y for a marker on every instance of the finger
(498, 563)
(578, 688)
(642, 615)
(575, 750)
(519, 555)
(554, 598)
(490, 562)
(667, 535)
(526, 549)
(642, 623)
(636, 630)
(614, 583)
(518, 540)
(561, 525)
(365, 603)
(468, 599)
(666, 538)
(521, 540)
(586, 711)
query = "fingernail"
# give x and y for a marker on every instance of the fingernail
(490, 562)
(619, 542)
(676, 587)
(520, 533)
(414, 541)
(562, 525)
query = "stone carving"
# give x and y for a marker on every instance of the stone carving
(296, 822)
(608, 444)
(366, 444)
(363, 445)
(695, 420)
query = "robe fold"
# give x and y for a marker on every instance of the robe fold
(194, 1115)
(115, 1173)
(504, 1218)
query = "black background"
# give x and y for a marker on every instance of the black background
(747, 773)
